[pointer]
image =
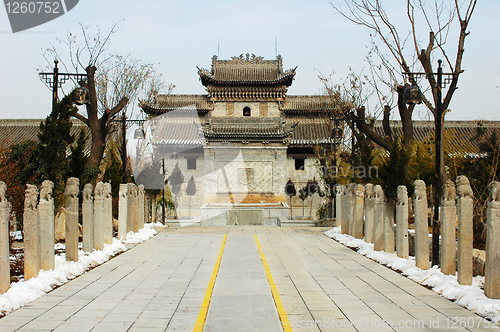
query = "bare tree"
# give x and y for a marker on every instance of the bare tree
(410, 53)
(113, 81)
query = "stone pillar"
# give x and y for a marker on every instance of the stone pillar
(351, 204)
(88, 218)
(492, 265)
(338, 205)
(47, 225)
(108, 214)
(369, 216)
(465, 210)
(448, 253)
(378, 213)
(4, 240)
(136, 209)
(359, 210)
(402, 223)
(131, 212)
(389, 245)
(344, 222)
(153, 209)
(71, 224)
(140, 209)
(98, 240)
(421, 224)
(31, 229)
(122, 211)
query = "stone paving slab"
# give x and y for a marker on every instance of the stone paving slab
(159, 285)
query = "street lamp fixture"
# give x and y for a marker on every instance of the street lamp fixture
(439, 118)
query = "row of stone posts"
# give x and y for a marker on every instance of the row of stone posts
(364, 211)
(38, 223)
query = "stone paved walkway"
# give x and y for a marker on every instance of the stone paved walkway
(159, 285)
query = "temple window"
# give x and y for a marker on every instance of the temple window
(191, 163)
(299, 164)
(247, 111)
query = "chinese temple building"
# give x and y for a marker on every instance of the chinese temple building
(241, 142)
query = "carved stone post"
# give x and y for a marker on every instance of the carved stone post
(122, 211)
(378, 212)
(154, 217)
(421, 226)
(344, 222)
(99, 216)
(358, 211)
(47, 225)
(31, 228)
(71, 201)
(492, 265)
(136, 209)
(465, 209)
(351, 204)
(131, 212)
(402, 223)
(108, 214)
(389, 245)
(140, 208)
(338, 205)
(369, 216)
(88, 218)
(4, 240)
(448, 252)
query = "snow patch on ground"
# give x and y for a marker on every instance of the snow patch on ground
(470, 297)
(23, 292)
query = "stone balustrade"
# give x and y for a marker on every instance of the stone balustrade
(97, 223)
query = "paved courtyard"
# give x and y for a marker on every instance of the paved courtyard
(161, 285)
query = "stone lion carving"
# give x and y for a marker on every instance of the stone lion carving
(338, 190)
(379, 193)
(369, 192)
(107, 191)
(87, 192)
(449, 193)
(344, 190)
(402, 195)
(123, 190)
(132, 190)
(140, 190)
(420, 190)
(46, 191)
(360, 191)
(3, 190)
(494, 188)
(352, 188)
(72, 189)
(31, 199)
(99, 190)
(463, 187)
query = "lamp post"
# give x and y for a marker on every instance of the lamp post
(414, 96)
(137, 132)
(55, 80)
(336, 138)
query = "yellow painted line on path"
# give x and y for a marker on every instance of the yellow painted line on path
(202, 316)
(285, 323)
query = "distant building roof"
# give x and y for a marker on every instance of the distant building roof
(16, 131)
(459, 136)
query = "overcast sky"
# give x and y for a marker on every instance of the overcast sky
(179, 35)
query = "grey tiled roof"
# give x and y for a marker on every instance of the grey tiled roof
(16, 131)
(249, 70)
(459, 136)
